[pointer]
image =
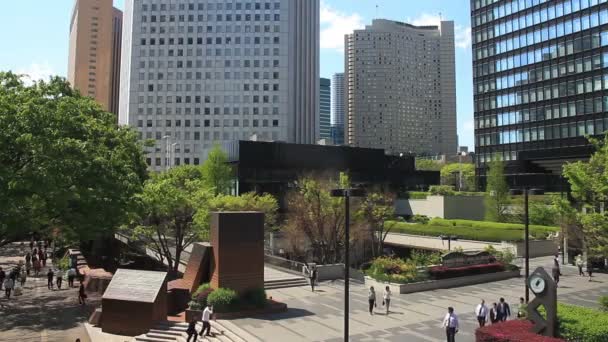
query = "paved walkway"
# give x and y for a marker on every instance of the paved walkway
(414, 317)
(41, 314)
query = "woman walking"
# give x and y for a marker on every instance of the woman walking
(371, 297)
(579, 264)
(9, 285)
(59, 278)
(386, 298)
(71, 276)
(36, 266)
(22, 278)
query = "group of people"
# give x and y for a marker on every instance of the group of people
(9, 282)
(191, 331)
(386, 299)
(499, 312)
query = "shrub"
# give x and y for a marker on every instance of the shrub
(442, 272)
(194, 305)
(64, 263)
(201, 288)
(506, 256)
(577, 323)
(441, 190)
(223, 300)
(422, 219)
(255, 297)
(203, 296)
(393, 270)
(423, 258)
(416, 195)
(510, 331)
(604, 303)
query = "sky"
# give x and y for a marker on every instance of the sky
(34, 36)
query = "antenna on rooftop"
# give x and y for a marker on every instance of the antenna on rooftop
(377, 11)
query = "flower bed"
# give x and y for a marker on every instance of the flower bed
(394, 270)
(511, 331)
(442, 272)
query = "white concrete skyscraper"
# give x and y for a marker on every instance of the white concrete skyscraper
(200, 72)
(401, 88)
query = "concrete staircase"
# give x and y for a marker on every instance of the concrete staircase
(294, 281)
(223, 331)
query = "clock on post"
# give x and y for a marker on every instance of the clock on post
(545, 291)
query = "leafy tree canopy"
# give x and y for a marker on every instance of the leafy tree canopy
(217, 174)
(497, 193)
(65, 163)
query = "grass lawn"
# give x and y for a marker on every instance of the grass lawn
(472, 230)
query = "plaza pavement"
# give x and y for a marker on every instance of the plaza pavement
(414, 317)
(40, 314)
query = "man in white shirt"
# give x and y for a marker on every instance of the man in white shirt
(481, 311)
(450, 323)
(206, 320)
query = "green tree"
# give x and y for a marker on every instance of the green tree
(66, 166)
(250, 201)
(450, 175)
(375, 210)
(217, 174)
(169, 203)
(497, 193)
(428, 164)
(589, 185)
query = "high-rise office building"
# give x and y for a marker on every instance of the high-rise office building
(325, 109)
(540, 79)
(94, 51)
(401, 88)
(337, 108)
(196, 73)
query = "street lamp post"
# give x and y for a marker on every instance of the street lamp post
(527, 191)
(460, 155)
(346, 193)
(167, 153)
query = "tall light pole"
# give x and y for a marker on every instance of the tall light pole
(347, 194)
(167, 152)
(460, 155)
(526, 191)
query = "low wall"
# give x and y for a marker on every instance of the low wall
(330, 272)
(538, 248)
(429, 285)
(447, 207)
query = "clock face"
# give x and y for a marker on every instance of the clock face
(537, 284)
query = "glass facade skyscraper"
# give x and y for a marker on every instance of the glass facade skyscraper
(540, 79)
(325, 108)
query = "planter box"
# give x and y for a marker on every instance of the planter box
(194, 314)
(429, 285)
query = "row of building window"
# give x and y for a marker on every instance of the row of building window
(182, 18)
(210, 41)
(208, 111)
(517, 79)
(208, 123)
(162, 29)
(197, 99)
(212, 6)
(561, 110)
(226, 63)
(544, 132)
(536, 94)
(560, 29)
(507, 8)
(226, 75)
(207, 137)
(547, 53)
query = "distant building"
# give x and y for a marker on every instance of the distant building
(337, 108)
(94, 51)
(400, 91)
(197, 73)
(540, 72)
(325, 109)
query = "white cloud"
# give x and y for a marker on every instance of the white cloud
(36, 72)
(462, 34)
(335, 24)
(468, 126)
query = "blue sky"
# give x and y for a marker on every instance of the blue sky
(34, 36)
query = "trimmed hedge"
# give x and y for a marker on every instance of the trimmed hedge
(442, 272)
(577, 323)
(511, 331)
(223, 300)
(473, 230)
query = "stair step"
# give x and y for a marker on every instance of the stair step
(146, 338)
(162, 336)
(166, 332)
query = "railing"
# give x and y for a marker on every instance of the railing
(292, 265)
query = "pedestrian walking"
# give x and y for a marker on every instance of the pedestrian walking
(371, 298)
(36, 263)
(504, 311)
(579, 264)
(312, 275)
(59, 278)
(71, 276)
(589, 269)
(43, 258)
(82, 296)
(28, 267)
(191, 331)
(450, 323)
(522, 310)
(28, 257)
(9, 285)
(2, 277)
(207, 320)
(494, 313)
(22, 278)
(49, 276)
(481, 312)
(555, 273)
(386, 298)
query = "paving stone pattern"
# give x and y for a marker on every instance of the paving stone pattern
(414, 317)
